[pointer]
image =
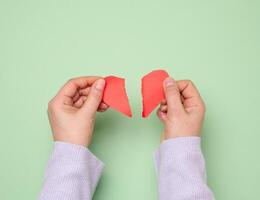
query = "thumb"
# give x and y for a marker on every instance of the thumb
(94, 98)
(173, 97)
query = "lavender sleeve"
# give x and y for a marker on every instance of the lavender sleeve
(180, 169)
(72, 173)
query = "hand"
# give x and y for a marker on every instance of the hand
(72, 111)
(183, 110)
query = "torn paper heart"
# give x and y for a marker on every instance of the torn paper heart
(115, 95)
(152, 90)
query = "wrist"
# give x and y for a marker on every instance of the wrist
(172, 135)
(181, 145)
(74, 141)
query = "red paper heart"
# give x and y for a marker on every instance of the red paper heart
(115, 95)
(152, 90)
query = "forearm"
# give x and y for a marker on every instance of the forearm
(181, 170)
(72, 173)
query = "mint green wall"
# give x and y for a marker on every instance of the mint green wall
(214, 43)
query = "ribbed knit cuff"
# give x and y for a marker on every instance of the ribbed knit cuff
(172, 148)
(180, 145)
(74, 153)
(74, 159)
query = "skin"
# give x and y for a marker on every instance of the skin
(183, 110)
(72, 111)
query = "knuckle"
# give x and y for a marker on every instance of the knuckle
(190, 82)
(70, 80)
(172, 88)
(93, 96)
(51, 105)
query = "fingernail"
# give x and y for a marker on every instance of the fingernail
(100, 84)
(168, 81)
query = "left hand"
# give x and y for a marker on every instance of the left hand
(72, 111)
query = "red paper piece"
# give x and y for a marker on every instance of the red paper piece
(152, 90)
(115, 95)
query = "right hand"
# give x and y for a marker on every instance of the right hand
(182, 112)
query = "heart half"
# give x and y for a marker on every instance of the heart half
(152, 90)
(115, 95)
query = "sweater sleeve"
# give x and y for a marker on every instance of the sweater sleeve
(72, 173)
(180, 169)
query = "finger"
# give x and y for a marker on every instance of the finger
(80, 94)
(94, 98)
(85, 91)
(164, 102)
(103, 106)
(161, 115)
(163, 108)
(70, 89)
(79, 103)
(101, 110)
(76, 97)
(190, 94)
(173, 97)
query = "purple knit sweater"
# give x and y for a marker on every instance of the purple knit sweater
(73, 172)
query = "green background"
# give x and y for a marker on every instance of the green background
(214, 43)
